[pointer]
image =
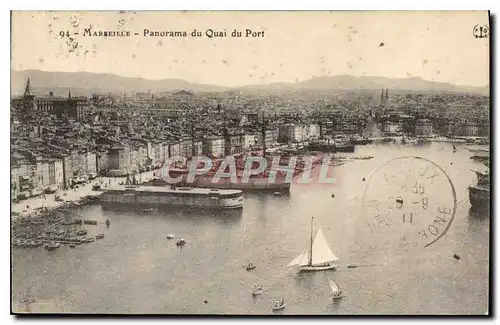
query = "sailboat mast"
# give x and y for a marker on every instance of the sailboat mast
(311, 242)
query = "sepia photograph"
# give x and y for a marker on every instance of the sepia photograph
(250, 163)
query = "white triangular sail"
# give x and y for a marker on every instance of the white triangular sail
(335, 288)
(321, 252)
(302, 258)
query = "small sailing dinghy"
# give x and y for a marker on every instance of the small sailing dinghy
(257, 289)
(336, 291)
(250, 266)
(279, 304)
(317, 255)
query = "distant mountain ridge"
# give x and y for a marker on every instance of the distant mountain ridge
(85, 83)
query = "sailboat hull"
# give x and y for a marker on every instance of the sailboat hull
(311, 268)
(275, 308)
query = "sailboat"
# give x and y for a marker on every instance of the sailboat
(257, 289)
(337, 293)
(317, 255)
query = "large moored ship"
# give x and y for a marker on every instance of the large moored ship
(173, 196)
(479, 195)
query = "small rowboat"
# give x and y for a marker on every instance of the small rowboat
(279, 304)
(250, 266)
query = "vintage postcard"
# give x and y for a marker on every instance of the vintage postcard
(250, 163)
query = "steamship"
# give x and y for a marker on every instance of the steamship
(173, 196)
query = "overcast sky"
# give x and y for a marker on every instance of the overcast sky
(437, 46)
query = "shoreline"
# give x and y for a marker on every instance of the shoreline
(46, 204)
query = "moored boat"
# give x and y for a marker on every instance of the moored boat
(479, 196)
(326, 146)
(480, 154)
(52, 246)
(208, 180)
(202, 198)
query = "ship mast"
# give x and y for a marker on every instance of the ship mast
(311, 242)
(263, 130)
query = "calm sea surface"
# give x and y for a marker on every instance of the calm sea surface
(135, 269)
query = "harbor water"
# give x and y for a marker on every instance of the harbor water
(135, 269)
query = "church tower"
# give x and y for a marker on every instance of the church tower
(386, 100)
(29, 103)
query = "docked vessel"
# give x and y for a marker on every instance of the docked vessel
(317, 255)
(257, 182)
(207, 181)
(361, 141)
(479, 195)
(173, 196)
(480, 154)
(326, 146)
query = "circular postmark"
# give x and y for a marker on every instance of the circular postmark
(410, 198)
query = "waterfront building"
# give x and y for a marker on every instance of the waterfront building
(423, 128)
(50, 174)
(139, 157)
(249, 141)
(188, 147)
(154, 152)
(102, 164)
(471, 129)
(21, 176)
(119, 160)
(370, 130)
(307, 132)
(87, 163)
(392, 128)
(174, 148)
(269, 138)
(213, 146)
(286, 133)
(233, 143)
(34, 176)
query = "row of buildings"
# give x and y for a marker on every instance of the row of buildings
(72, 107)
(44, 163)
